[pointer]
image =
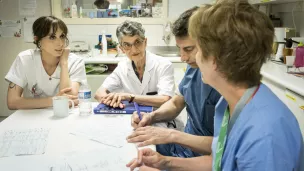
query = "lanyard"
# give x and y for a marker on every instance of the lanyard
(227, 126)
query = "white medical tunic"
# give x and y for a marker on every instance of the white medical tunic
(28, 72)
(158, 77)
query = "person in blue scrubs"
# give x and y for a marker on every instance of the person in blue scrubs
(253, 129)
(198, 98)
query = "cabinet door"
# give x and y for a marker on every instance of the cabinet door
(292, 100)
(95, 81)
(179, 72)
(294, 103)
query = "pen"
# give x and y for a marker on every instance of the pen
(137, 109)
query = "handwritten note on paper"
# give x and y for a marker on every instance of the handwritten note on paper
(23, 142)
(27, 7)
(94, 161)
(106, 134)
(10, 28)
(111, 131)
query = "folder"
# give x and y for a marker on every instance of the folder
(128, 109)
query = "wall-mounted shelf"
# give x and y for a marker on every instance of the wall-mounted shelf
(57, 11)
(266, 2)
(114, 21)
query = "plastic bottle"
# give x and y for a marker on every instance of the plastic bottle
(104, 44)
(80, 12)
(74, 10)
(84, 96)
(299, 61)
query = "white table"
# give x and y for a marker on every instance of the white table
(60, 141)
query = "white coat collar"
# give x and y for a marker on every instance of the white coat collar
(149, 62)
(147, 76)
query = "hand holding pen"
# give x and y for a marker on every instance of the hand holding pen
(140, 119)
(137, 110)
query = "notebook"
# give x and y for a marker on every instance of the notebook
(129, 109)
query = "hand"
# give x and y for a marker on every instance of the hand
(149, 158)
(100, 97)
(146, 119)
(114, 99)
(64, 92)
(64, 56)
(150, 135)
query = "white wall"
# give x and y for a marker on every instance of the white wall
(90, 33)
(176, 7)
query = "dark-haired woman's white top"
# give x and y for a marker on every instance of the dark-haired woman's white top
(28, 72)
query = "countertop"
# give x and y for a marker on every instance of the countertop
(271, 71)
(115, 60)
(277, 73)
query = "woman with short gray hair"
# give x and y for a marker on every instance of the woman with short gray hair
(141, 75)
(130, 28)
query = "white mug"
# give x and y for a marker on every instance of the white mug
(61, 106)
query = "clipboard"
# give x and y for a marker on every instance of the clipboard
(129, 109)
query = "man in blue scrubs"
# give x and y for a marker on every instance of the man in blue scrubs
(199, 98)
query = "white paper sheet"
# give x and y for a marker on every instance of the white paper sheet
(27, 29)
(93, 161)
(27, 7)
(108, 133)
(27, 163)
(10, 28)
(23, 142)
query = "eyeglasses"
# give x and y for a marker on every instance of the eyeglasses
(137, 44)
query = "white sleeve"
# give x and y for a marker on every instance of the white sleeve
(16, 74)
(166, 85)
(77, 71)
(113, 81)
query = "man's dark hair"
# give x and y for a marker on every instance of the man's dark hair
(180, 26)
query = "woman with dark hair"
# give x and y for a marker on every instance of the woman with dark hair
(102, 4)
(49, 70)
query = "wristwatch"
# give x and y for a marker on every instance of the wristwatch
(132, 96)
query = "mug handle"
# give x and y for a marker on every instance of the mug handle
(105, 67)
(72, 105)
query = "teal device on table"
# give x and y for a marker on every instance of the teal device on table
(128, 109)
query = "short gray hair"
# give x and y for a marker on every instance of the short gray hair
(130, 28)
